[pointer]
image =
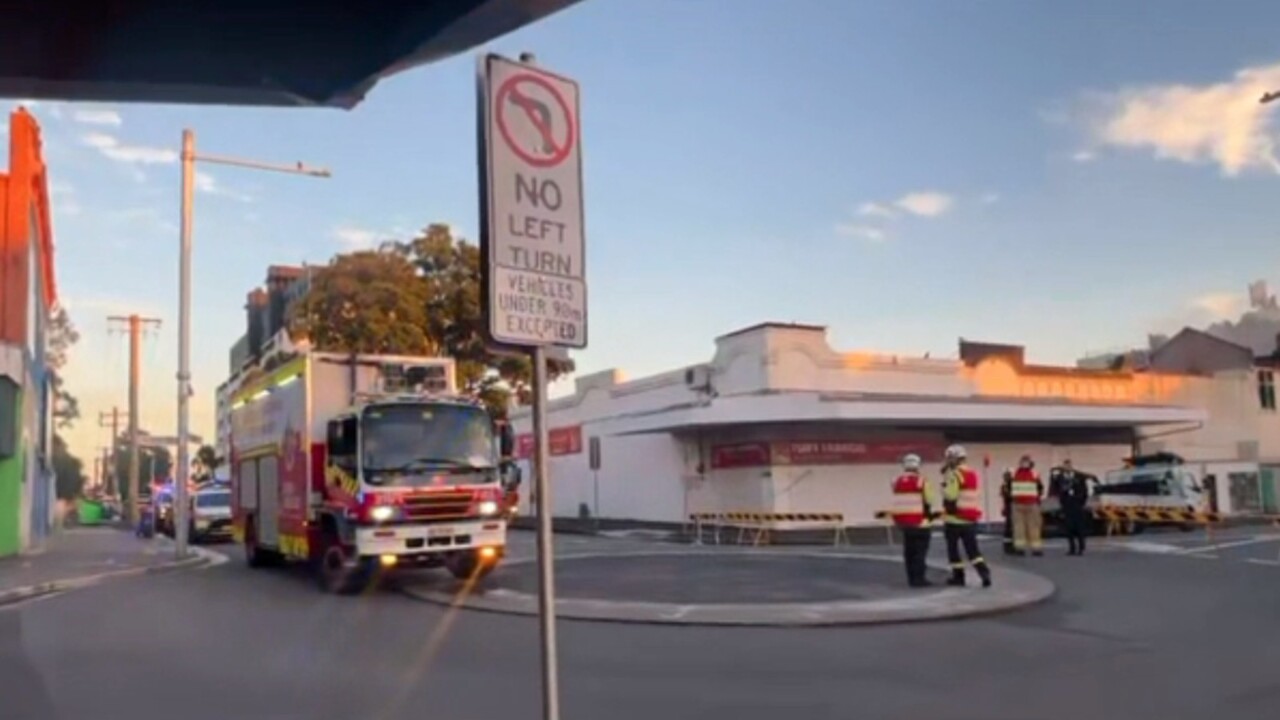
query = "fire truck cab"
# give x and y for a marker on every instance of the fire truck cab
(359, 464)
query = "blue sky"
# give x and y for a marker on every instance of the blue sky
(1064, 175)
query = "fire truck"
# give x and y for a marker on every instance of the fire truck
(359, 464)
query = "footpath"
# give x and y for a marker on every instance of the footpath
(82, 556)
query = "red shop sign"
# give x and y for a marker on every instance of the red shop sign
(740, 455)
(840, 452)
(563, 441)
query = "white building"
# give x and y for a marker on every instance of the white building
(778, 421)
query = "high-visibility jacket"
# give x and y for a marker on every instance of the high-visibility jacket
(960, 501)
(912, 500)
(1025, 488)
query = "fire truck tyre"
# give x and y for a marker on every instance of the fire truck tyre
(336, 577)
(256, 556)
(467, 564)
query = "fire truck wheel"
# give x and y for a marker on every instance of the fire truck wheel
(467, 565)
(336, 577)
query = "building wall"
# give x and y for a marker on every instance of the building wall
(665, 476)
(27, 297)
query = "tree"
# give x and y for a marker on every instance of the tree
(360, 303)
(61, 336)
(365, 302)
(450, 268)
(208, 460)
(154, 462)
(68, 470)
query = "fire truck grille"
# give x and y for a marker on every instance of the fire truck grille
(438, 506)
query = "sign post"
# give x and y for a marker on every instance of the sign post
(534, 250)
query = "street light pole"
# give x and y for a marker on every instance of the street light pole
(189, 158)
(184, 344)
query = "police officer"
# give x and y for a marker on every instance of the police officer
(961, 511)
(912, 511)
(1073, 495)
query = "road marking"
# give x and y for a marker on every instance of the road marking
(1239, 543)
(1260, 561)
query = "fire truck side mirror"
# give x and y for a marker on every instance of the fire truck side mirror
(506, 440)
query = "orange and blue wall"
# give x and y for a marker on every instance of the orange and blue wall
(28, 293)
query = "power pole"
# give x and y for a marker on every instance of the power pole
(135, 324)
(112, 419)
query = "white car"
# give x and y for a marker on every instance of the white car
(210, 513)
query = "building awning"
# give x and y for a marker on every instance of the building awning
(921, 412)
(238, 52)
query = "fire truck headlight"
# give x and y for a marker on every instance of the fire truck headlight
(488, 507)
(382, 513)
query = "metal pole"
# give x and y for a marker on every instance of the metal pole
(546, 557)
(135, 337)
(546, 550)
(184, 345)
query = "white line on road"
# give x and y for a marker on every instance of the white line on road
(1239, 543)
(1260, 561)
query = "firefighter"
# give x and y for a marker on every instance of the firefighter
(1073, 495)
(912, 510)
(1006, 511)
(961, 511)
(1025, 491)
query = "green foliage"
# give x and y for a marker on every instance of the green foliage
(365, 302)
(61, 336)
(68, 469)
(154, 463)
(208, 460)
(438, 274)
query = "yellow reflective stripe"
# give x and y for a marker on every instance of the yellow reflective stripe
(294, 545)
(1024, 487)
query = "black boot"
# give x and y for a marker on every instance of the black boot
(957, 578)
(985, 573)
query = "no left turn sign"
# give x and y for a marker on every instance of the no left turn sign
(531, 215)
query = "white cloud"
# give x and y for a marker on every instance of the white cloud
(98, 117)
(873, 209)
(990, 198)
(111, 147)
(925, 204)
(862, 232)
(1083, 156)
(210, 185)
(1221, 305)
(1220, 123)
(351, 237)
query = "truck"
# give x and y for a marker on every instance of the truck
(363, 464)
(1156, 481)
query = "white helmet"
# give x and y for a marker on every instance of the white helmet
(911, 461)
(956, 452)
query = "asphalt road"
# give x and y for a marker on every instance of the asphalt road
(1166, 629)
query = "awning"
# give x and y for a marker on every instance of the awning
(932, 412)
(238, 52)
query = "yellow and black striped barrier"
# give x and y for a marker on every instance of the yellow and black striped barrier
(1150, 514)
(762, 523)
(1121, 520)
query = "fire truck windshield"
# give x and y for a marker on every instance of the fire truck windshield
(404, 438)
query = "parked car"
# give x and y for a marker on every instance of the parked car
(210, 513)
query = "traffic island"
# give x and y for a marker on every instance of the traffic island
(748, 587)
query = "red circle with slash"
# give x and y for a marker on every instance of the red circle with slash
(509, 92)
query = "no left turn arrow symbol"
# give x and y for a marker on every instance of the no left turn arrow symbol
(521, 96)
